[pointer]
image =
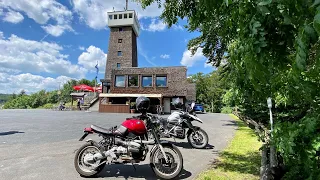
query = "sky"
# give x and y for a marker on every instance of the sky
(45, 43)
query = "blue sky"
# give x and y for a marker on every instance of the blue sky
(44, 43)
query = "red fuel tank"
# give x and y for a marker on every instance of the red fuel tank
(135, 126)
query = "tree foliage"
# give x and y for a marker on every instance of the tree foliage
(41, 98)
(210, 89)
(272, 50)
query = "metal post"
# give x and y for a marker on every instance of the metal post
(126, 5)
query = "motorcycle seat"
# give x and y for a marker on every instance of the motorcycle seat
(102, 130)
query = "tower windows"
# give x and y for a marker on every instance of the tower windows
(130, 15)
(118, 65)
(120, 16)
(119, 53)
(115, 16)
(119, 40)
(125, 16)
(110, 16)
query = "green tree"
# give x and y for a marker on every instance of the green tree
(272, 51)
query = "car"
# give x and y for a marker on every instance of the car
(198, 107)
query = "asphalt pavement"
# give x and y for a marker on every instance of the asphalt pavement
(41, 144)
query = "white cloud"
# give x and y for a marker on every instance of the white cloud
(177, 27)
(144, 54)
(89, 59)
(13, 17)
(156, 25)
(206, 65)
(56, 30)
(189, 60)
(36, 57)
(165, 56)
(41, 11)
(29, 82)
(94, 12)
(81, 48)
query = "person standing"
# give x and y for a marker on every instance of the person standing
(78, 104)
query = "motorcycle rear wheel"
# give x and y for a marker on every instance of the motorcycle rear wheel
(158, 168)
(79, 160)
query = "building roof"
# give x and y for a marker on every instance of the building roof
(129, 95)
(77, 94)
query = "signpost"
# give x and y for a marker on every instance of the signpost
(273, 160)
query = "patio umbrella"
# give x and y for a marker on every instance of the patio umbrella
(98, 89)
(83, 87)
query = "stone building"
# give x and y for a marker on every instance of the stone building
(124, 81)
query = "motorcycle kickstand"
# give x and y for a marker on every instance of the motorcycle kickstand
(133, 166)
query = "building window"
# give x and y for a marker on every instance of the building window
(133, 80)
(119, 53)
(146, 81)
(120, 16)
(125, 16)
(119, 81)
(110, 16)
(120, 29)
(161, 81)
(115, 16)
(130, 15)
(118, 65)
(119, 40)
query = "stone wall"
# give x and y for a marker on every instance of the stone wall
(191, 92)
(128, 46)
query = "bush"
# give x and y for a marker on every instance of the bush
(47, 106)
(227, 110)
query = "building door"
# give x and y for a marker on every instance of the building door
(166, 108)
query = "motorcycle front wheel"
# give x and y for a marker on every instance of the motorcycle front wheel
(81, 163)
(198, 139)
(163, 169)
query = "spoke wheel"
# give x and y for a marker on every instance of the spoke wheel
(170, 169)
(198, 139)
(84, 162)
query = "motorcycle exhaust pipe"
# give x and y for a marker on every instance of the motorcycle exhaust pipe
(105, 154)
(145, 142)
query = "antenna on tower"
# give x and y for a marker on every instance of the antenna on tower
(126, 5)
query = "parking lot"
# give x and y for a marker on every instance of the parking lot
(41, 144)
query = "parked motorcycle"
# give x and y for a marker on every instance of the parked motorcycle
(179, 125)
(128, 143)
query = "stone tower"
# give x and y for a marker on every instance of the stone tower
(122, 51)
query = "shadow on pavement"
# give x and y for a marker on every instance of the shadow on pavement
(186, 145)
(230, 123)
(128, 172)
(9, 133)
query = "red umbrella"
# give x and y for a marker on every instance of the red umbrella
(98, 89)
(83, 87)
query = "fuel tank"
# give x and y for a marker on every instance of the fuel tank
(135, 126)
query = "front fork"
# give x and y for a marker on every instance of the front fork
(159, 144)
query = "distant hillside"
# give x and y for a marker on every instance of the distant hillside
(4, 98)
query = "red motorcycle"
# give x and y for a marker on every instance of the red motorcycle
(128, 143)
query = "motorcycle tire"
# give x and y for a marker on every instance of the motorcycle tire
(180, 163)
(76, 162)
(205, 137)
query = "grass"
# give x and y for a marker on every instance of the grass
(240, 160)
